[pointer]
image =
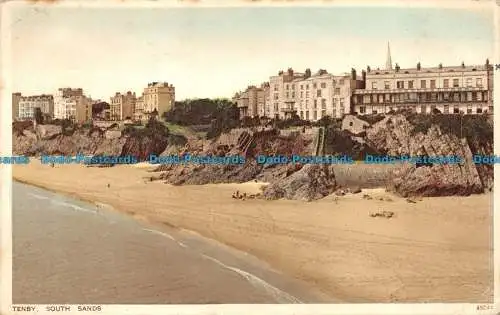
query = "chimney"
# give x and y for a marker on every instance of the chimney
(353, 74)
(307, 73)
(368, 69)
(419, 66)
(463, 64)
(487, 62)
(397, 67)
(440, 66)
(280, 72)
(363, 75)
(290, 72)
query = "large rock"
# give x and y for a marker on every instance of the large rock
(394, 135)
(310, 183)
(47, 132)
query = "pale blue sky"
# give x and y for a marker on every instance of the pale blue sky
(213, 52)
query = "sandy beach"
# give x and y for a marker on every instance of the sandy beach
(434, 250)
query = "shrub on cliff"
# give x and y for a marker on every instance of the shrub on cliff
(475, 128)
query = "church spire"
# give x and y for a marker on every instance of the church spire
(388, 63)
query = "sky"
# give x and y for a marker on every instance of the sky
(215, 52)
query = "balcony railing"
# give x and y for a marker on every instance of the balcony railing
(422, 90)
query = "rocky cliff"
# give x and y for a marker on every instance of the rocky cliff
(393, 135)
(52, 140)
(396, 136)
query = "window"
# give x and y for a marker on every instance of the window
(446, 109)
(323, 103)
(422, 109)
(381, 98)
(362, 109)
(307, 94)
(387, 98)
(469, 96)
(276, 96)
(400, 84)
(287, 87)
(275, 107)
(293, 86)
(307, 86)
(387, 85)
(374, 112)
(323, 113)
(323, 85)
(307, 115)
(433, 84)
(336, 91)
(479, 110)
(469, 110)
(341, 82)
(318, 93)
(301, 94)
(455, 110)
(433, 97)
(315, 85)
(468, 82)
(374, 85)
(315, 104)
(301, 114)
(446, 96)
(301, 86)
(410, 84)
(315, 115)
(422, 84)
(474, 96)
(341, 102)
(293, 94)
(455, 82)
(287, 94)
(456, 97)
(446, 83)
(479, 82)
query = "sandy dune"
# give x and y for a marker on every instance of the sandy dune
(436, 250)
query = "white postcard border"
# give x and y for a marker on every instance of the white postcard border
(6, 175)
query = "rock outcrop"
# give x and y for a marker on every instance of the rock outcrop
(311, 182)
(47, 132)
(394, 135)
(50, 140)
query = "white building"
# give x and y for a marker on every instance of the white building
(464, 89)
(28, 104)
(72, 104)
(308, 96)
(323, 94)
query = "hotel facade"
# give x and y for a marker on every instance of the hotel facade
(309, 96)
(252, 101)
(28, 104)
(449, 90)
(122, 106)
(158, 96)
(464, 89)
(72, 104)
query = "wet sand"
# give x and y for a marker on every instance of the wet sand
(66, 251)
(434, 250)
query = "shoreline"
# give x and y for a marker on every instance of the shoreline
(332, 244)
